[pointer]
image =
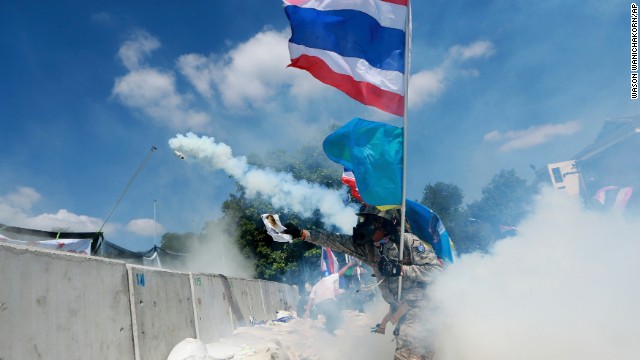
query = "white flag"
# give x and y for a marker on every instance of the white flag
(275, 228)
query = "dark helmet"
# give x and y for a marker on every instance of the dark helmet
(392, 215)
(368, 216)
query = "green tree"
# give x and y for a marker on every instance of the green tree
(446, 200)
(285, 262)
(505, 202)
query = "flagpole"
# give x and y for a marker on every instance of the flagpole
(405, 122)
(154, 223)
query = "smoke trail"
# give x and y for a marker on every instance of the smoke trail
(281, 189)
(566, 287)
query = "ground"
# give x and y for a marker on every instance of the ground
(298, 339)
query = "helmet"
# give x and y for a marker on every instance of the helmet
(368, 216)
(392, 215)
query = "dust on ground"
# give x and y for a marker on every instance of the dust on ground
(298, 339)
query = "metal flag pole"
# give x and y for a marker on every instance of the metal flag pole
(405, 122)
(153, 148)
(155, 243)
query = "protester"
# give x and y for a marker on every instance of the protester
(323, 298)
(376, 241)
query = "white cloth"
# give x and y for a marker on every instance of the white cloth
(76, 246)
(275, 228)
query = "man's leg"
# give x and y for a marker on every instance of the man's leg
(332, 314)
(412, 339)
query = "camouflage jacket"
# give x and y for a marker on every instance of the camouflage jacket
(419, 262)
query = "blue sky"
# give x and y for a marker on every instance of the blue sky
(88, 87)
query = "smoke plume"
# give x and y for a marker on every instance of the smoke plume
(281, 189)
(566, 287)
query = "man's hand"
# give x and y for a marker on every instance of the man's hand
(389, 267)
(292, 230)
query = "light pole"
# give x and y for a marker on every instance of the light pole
(154, 223)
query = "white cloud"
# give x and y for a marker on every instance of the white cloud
(249, 75)
(478, 49)
(133, 51)
(199, 71)
(145, 227)
(254, 76)
(249, 72)
(428, 85)
(22, 199)
(15, 210)
(533, 136)
(63, 219)
(154, 92)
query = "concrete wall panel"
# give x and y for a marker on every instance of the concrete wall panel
(56, 305)
(270, 297)
(162, 310)
(213, 313)
(278, 297)
(245, 301)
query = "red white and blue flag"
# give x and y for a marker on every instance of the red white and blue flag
(328, 262)
(350, 180)
(356, 46)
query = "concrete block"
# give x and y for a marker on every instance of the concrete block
(162, 310)
(213, 312)
(245, 301)
(56, 305)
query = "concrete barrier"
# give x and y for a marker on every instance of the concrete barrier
(162, 310)
(63, 306)
(245, 301)
(278, 297)
(57, 305)
(213, 312)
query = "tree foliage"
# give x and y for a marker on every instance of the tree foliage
(475, 226)
(446, 200)
(504, 200)
(181, 243)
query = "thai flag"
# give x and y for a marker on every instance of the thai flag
(356, 46)
(328, 262)
(350, 180)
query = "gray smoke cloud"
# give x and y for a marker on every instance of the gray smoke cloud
(281, 189)
(566, 287)
(217, 253)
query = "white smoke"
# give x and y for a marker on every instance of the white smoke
(566, 287)
(281, 189)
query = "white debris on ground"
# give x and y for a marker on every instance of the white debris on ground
(297, 339)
